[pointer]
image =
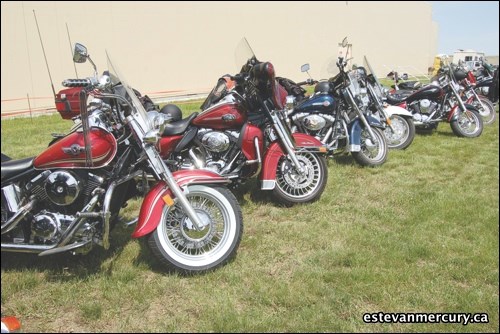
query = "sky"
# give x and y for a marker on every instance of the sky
(467, 25)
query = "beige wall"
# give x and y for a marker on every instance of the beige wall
(186, 46)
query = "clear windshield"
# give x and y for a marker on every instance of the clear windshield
(373, 79)
(139, 113)
(243, 53)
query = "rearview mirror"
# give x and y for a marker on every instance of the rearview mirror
(304, 68)
(344, 42)
(80, 55)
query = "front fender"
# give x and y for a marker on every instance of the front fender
(395, 110)
(453, 114)
(275, 152)
(160, 196)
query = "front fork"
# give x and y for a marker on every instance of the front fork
(362, 117)
(287, 140)
(166, 175)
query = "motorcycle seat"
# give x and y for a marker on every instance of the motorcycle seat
(178, 127)
(398, 97)
(13, 167)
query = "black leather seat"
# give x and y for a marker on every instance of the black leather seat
(178, 127)
(398, 97)
(13, 167)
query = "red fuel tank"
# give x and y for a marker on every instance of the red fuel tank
(222, 117)
(69, 152)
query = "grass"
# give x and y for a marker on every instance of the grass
(418, 234)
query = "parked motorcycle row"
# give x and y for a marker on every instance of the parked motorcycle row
(252, 125)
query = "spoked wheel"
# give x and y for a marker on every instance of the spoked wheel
(292, 187)
(183, 248)
(486, 109)
(402, 133)
(372, 153)
(468, 124)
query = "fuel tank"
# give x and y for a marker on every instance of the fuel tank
(320, 103)
(430, 92)
(222, 117)
(69, 152)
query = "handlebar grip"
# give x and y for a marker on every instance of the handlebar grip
(76, 83)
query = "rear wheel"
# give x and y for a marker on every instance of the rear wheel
(183, 248)
(292, 187)
(468, 124)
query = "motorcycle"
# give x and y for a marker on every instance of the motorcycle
(69, 197)
(242, 133)
(440, 101)
(336, 114)
(399, 130)
(468, 83)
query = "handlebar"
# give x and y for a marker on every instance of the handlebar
(78, 82)
(307, 82)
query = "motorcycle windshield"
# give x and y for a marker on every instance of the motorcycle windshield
(243, 53)
(138, 112)
(377, 87)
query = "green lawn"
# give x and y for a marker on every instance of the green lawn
(418, 234)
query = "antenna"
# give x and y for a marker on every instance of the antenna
(71, 49)
(46, 63)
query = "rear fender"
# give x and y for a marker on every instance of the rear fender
(395, 110)
(275, 152)
(160, 196)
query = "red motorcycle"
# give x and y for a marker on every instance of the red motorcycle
(242, 132)
(468, 83)
(68, 197)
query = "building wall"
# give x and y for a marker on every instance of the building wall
(183, 47)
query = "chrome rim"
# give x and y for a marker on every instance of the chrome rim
(184, 243)
(467, 121)
(369, 148)
(294, 184)
(400, 133)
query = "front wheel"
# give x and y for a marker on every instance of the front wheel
(468, 124)
(182, 248)
(402, 133)
(486, 109)
(372, 153)
(292, 187)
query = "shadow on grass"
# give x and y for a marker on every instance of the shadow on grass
(65, 266)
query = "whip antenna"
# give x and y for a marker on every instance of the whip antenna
(46, 63)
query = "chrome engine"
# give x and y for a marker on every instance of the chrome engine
(46, 206)
(313, 123)
(63, 187)
(424, 108)
(217, 148)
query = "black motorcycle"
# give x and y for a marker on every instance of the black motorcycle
(440, 101)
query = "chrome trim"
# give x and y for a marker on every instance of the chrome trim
(268, 184)
(106, 213)
(18, 216)
(10, 193)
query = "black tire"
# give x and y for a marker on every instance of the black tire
(468, 124)
(371, 154)
(292, 188)
(181, 248)
(403, 134)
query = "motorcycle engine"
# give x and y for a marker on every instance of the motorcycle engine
(216, 141)
(63, 187)
(314, 122)
(48, 226)
(217, 145)
(426, 106)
